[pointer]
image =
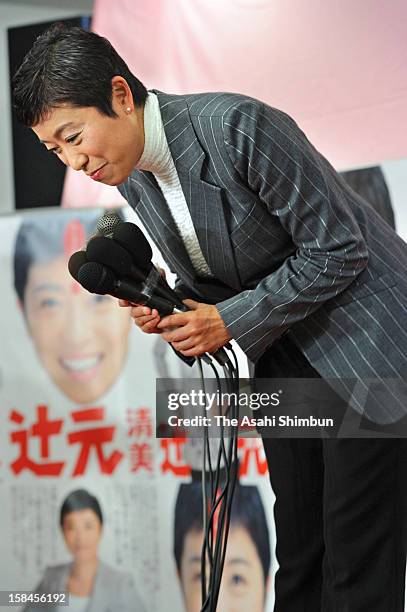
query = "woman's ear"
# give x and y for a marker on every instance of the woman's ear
(122, 97)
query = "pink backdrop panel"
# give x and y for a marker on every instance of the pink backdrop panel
(338, 68)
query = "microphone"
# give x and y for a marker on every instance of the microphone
(105, 226)
(99, 279)
(109, 253)
(133, 240)
(107, 223)
(129, 236)
(75, 262)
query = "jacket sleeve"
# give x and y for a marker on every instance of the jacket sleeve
(273, 157)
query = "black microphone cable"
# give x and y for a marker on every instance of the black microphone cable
(232, 479)
(225, 509)
(217, 504)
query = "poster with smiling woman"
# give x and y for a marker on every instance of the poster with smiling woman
(92, 503)
(80, 338)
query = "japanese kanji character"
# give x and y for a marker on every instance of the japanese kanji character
(94, 437)
(42, 429)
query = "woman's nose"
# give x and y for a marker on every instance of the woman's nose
(78, 322)
(77, 161)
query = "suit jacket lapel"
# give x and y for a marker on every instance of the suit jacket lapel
(204, 200)
(157, 219)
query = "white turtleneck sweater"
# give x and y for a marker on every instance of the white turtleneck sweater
(157, 159)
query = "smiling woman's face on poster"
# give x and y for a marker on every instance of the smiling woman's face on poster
(80, 338)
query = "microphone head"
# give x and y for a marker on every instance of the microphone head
(109, 253)
(133, 240)
(97, 278)
(107, 222)
(75, 262)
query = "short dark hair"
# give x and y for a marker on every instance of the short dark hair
(80, 499)
(69, 65)
(247, 512)
(40, 239)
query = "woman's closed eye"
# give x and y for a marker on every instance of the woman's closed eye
(70, 140)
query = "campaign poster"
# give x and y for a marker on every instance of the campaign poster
(92, 502)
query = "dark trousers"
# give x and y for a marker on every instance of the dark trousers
(340, 513)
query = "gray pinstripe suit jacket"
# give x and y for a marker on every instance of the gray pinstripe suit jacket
(290, 245)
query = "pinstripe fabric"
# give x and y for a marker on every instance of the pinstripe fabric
(292, 247)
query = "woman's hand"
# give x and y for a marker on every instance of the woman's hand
(200, 330)
(144, 317)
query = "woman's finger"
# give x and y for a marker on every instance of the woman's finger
(151, 326)
(184, 344)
